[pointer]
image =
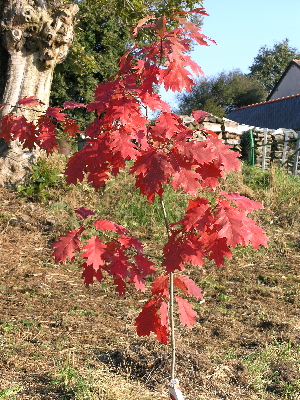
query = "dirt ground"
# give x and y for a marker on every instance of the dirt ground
(61, 340)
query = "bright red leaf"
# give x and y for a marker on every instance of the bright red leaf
(54, 112)
(188, 286)
(66, 245)
(149, 321)
(72, 104)
(94, 250)
(186, 311)
(29, 102)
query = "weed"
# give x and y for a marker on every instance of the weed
(255, 178)
(43, 176)
(7, 326)
(68, 377)
(11, 393)
(5, 217)
(276, 369)
(223, 297)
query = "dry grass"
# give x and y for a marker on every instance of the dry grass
(60, 340)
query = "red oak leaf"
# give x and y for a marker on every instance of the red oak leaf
(124, 109)
(193, 150)
(253, 234)
(167, 126)
(201, 11)
(161, 285)
(119, 266)
(122, 141)
(95, 248)
(46, 134)
(105, 225)
(195, 31)
(89, 274)
(199, 115)
(98, 178)
(164, 314)
(230, 220)
(140, 23)
(6, 127)
(152, 169)
(160, 26)
(242, 202)
(186, 311)
(183, 175)
(84, 212)
(54, 112)
(176, 78)
(29, 102)
(137, 278)
(128, 241)
(120, 286)
(67, 245)
(210, 173)
(188, 286)
(173, 254)
(144, 264)
(149, 321)
(197, 216)
(71, 127)
(215, 247)
(224, 155)
(24, 131)
(72, 104)
(192, 251)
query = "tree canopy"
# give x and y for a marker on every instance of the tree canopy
(102, 36)
(221, 93)
(270, 63)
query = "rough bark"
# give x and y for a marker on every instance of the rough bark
(35, 36)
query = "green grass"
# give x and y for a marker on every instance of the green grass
(276, 369)
(255, 178)
(11, 393)
(68, 378)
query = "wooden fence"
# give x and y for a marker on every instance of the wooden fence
(271, 147)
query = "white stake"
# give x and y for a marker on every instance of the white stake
(174, 390)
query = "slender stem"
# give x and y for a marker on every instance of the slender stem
(173, 344)
(171, 311)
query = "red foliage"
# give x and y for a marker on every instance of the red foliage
(162, 153)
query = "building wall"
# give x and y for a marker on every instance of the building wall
(290, 84)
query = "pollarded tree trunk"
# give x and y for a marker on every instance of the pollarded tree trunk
(35, 36)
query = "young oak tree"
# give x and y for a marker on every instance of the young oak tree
(162, 154)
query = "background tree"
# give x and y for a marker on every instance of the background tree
(270, 63)
(221, 93)
(102, 36)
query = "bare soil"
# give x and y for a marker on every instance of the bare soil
(61, 340)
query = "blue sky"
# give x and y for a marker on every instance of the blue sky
(240, 28)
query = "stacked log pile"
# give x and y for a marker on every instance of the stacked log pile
(279, 142)
(280, 148)
(230, 131)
